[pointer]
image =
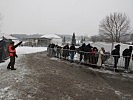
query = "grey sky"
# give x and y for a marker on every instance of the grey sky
(59, 16)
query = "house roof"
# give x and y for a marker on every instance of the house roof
(50, 36)
(7, 36)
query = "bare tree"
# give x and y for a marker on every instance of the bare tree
(115, 26)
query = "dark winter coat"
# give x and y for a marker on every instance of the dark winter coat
(52, 45)
(72, 48)
(127, 52)
(81, 49)
(87, 49)
(116, 51)
(65, 51)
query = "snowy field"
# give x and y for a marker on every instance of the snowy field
(9, 77)
(27, 50)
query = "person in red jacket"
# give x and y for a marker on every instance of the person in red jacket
(12, 54)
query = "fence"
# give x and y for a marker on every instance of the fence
(90, 58)
(4, 49)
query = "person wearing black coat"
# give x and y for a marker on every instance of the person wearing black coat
(116, 55)
(81, 51)
(72, 52)
(65, 53)
(59, 51)
(87, 53)
(127, 55)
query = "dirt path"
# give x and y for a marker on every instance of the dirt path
(39, 77)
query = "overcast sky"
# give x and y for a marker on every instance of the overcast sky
(59, 16)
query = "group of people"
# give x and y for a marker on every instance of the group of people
(127, 54)
(90, 55)
(87, 53)
(65, 51)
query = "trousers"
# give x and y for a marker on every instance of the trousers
(11, 63)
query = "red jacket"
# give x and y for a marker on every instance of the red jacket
(11, 51)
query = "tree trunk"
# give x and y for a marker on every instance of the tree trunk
(112, 46)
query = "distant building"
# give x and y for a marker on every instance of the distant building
(52, 38)
(43, 40)
(6, 36)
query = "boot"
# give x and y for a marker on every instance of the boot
(13, 68)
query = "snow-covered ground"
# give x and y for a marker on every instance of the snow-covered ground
(27, 50)
(8, 78)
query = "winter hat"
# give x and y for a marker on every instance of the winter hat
(117, 46)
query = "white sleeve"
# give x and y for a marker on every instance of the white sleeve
(101, 52)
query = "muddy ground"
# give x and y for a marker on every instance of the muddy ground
(39, 77)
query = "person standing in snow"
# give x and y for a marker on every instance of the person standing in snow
(49, 50)
(127, 55)
(94, 57)
(65, 53)
(116, 55)
(81, 51)
(72, 52)
(87, 51)
(12, 54)
(59, 51)
(101, 57)
(52, 49)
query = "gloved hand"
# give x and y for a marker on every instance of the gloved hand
(16, 56)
